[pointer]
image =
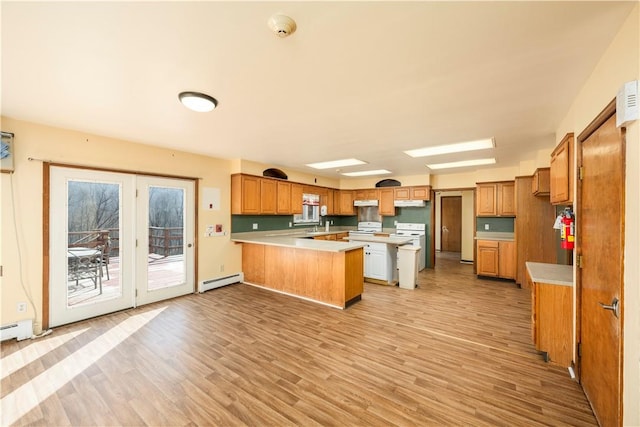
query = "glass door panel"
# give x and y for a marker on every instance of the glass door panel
(88, 236)
(165, 238)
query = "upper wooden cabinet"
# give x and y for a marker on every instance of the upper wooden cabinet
(254, 195)
(386, 207)
(540, 186)
(561, 181)
(366, 194)
(268, 196)
(245, 195)
(328, 199)
(343, 202)
(496, 199)
(419, 192)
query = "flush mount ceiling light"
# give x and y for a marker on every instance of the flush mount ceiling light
(481, 144)
(197, 101)
(336, 164)
(367, 173)
(463, 163)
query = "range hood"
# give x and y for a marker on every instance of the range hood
(408, 203)
(365, 203)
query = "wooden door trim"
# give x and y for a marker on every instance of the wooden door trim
(604, 115)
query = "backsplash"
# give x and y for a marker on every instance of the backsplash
(244, 223)
(502, 224)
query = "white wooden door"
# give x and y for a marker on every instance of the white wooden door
(91, 232)
(165, 238)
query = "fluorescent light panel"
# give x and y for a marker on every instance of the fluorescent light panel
(481, 144)
(336, 164)
(463, 163)
(365, 173)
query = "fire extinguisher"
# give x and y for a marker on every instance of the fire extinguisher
(567, 231)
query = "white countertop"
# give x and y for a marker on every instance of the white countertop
(494, 235)
(554, 274)
(296, 240)
(381, 239)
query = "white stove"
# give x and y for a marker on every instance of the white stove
(419, 235)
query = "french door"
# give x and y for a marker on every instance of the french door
(117, 240)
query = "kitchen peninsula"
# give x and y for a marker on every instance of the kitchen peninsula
(323, 271)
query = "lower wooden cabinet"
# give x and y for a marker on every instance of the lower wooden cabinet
(551, 321)
(496, 259)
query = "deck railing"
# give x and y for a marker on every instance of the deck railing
(163, 241)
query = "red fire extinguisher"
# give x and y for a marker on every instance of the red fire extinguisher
(567, 232)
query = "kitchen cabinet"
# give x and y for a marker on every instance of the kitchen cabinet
(496, 259)
(534, 228)
(507, 260)
(561, 176)
(496, 199)
(268, 196)
(376, 265)
(296, 198)
(366, 194)
(245, 195)
(487, 258)
(422, 192)
(540, 186)
(283, 206)
(344, 202)
(386, 207)
(327, 199)
(419, 192)
(551, 311)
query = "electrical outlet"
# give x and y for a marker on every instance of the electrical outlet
(290, 225)
(255, 226)
(395, 222)
(22, 307)
(221, 268)
(486, 226)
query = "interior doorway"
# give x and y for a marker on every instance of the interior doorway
(451, 229)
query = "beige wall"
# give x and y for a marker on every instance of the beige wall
(64, 146)
(619, 64)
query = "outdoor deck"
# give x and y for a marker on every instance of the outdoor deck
(162, 272)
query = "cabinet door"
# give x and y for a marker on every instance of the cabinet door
(250, 189)
(402, 193)
(486, 200)
(268, 196)
(296, 198)
(540, 183)
(561, 177)
(507, 260)
(422, 192)
(506, 201)
(326, 199)
(386, 207)
(283, 190)
(346, 202)
(487, 258)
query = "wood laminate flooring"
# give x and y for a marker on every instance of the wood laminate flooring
(455, 351)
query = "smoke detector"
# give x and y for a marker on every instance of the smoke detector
(282, 25)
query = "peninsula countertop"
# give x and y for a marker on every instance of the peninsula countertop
(300, 240)
(553, 274)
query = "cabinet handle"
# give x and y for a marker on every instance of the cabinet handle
(615, 307)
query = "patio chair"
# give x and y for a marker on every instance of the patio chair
(85, 263)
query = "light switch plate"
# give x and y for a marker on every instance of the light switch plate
(486, 226)
(255, 226)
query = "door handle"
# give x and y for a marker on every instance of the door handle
(189, 245)
(615, 306)
(444, 228)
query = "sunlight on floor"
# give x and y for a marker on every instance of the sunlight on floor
(34, 351)
(26, 397)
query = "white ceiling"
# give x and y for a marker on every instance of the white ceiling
(357, 79)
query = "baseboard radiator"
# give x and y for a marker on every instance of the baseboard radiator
(207, 285)
(20, 330)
